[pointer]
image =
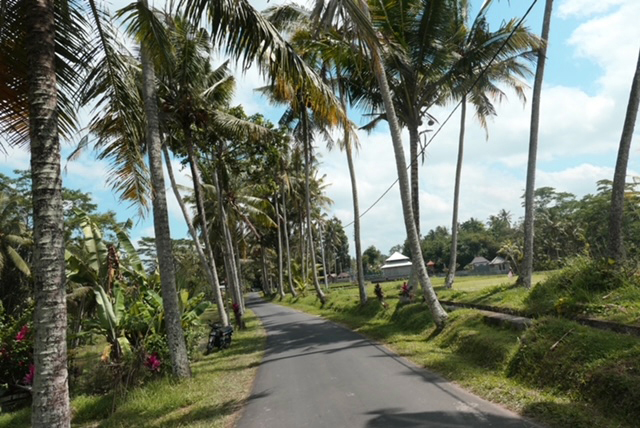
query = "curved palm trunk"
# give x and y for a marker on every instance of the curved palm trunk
(280, 268)
(453, 261)
(616, 244)
(312, 251)
(173, 323)
(362, 290)
(285, 232)
(50, 392)
(438, 314)
(527, 264)
(211, 270)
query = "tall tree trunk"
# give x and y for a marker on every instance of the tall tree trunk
(437, 312)
(173, 323)
(303, 249)
(362, 290)
(211, 270)
(527, 264)
(265, 280)
(616, 244)
(50, 407)
(307, 170)
(453, 261)
(285, 232)
(324, 261)
(229, 257)
(276, 205)
(238, 266)
(414, 142)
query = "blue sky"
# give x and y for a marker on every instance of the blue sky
(592, 54)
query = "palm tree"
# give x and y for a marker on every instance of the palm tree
(35, 108)
(527, 264)
(485, 59)
(324, 52)
(359, 13)
(616, 245)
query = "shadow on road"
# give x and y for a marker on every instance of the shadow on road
(393, 418)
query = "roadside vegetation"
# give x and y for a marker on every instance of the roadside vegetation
(557, 372)
(221, 382)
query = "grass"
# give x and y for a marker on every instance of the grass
(221, 383)
(590, 379)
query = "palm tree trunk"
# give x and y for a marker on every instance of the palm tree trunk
(453, 261)
(173, 323)
(229, 257)
(616, 244)
(50, 407)
(280, 267)
(527, 264)
(211, 270)
(307, 168)
(362, 290)
(438, 314)
(265, 280)
(324, 261)
(303, 249)
(285, 232)
(414, 140)
(238, 266)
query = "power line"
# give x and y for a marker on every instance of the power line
(454, 109)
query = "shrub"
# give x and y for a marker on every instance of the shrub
(16, 351)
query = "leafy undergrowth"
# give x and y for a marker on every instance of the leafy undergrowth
(221, 383)
(590, 379)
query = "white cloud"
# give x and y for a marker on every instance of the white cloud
(585, 8)
(14, 158)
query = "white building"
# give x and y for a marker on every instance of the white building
(396, 266)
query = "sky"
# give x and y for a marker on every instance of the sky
(593, 50)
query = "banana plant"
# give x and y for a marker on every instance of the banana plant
(110, 320)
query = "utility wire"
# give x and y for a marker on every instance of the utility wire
(454, 109)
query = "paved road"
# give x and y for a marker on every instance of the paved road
(318, 374)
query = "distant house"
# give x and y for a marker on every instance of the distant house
(344, 277)
(499, 265)
(478, 262)
(481, 266)
(396, 266)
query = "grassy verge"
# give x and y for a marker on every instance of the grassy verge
(221, 383)
(584, 288)
(503, 365)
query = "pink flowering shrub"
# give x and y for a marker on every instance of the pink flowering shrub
(153, 362)
(16, 351)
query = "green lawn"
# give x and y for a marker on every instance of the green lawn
(221, 383)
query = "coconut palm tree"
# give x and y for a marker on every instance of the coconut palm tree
(359, 13)
(42, 44)
(616, 245)
(526, 270)
(485, 59)
(330, 52)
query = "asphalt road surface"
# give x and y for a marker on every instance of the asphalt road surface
(318, 374)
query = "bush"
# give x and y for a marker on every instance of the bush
(16, 351)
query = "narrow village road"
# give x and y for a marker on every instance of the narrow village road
(318, 374)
